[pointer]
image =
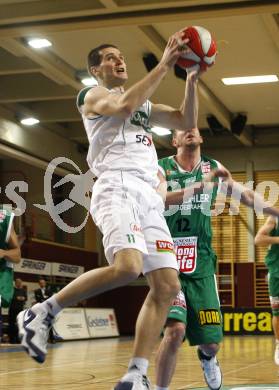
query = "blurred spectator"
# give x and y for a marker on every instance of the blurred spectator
(42, 293)
(17, 305)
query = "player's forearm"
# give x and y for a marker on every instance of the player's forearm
(136, 95)
(190, 106)
(13, 255)
(265, 240)
(178, 197)
(249, 198)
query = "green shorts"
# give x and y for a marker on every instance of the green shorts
(6, 286)
(273, 287)
(197, 305)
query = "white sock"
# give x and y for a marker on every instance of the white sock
(140, 363)
(51, 306)
(206, 354)
(161, 388)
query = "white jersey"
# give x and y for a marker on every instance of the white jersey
(117, 144)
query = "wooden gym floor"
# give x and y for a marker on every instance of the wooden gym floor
(98, 364)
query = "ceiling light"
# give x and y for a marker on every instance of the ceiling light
(88, 81)
(271, 78)
(29, 121)
(160, 131)
(39, 43)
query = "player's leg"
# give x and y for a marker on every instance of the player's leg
(275, 325)
(163, 288)
(273, 284)
(34, 324)
(173, 337)
(151, 319)
(160, 268)
(125, 256)
(205, 326)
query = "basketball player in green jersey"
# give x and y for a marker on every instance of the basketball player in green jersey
(9, 254)
(269, 235)
(196, 310)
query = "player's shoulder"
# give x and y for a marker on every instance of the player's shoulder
(83, 92)
(5, 214)
(166, 162)
(210, 160)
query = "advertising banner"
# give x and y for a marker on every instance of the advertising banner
(68, 270)
(101, 323)
(79, 323)
(247, 321)
(71, 324)
(31, 266)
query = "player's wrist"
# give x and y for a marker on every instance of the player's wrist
(163, 67)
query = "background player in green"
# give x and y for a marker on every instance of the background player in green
(9, 254)
(269, 235)
(197, 305)
(196, 309)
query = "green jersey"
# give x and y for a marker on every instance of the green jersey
(6, 267)
(272, 257)
(190, 222)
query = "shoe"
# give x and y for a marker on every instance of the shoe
(211, 371)
(133, 380)
(33, 329)
(276, 354)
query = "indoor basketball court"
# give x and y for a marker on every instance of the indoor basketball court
(98, 364)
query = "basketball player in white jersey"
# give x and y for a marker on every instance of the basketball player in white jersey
(125, 203)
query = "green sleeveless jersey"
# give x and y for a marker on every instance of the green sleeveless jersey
(190, 222)
(6, 267)
(272, 257)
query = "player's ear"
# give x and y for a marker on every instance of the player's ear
(174, 140)
(201, 139)
(94, 70)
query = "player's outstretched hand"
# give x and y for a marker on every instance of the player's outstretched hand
(217, 173)
(176, 46)
(194, 72)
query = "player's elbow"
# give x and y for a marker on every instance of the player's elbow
(126, 109)
(17, 256)
(259, 240)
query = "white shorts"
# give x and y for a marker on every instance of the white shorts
(129, 213)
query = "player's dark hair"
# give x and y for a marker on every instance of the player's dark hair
(94, 57)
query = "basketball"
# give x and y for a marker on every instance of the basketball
(203, 48)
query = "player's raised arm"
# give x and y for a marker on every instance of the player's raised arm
(186, 116)
(263, 236)
(247, 196)
(99, 101)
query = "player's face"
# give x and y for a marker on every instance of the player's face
(112, 69)
(190, 138)
(42, 283)
(18, 283)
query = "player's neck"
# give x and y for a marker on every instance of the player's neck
(188, 158)
(115, 85)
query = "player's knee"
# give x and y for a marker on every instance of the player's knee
(127, 266)
(210, 349)
(127, 271)
(167, 291)
(126, 275)
(174, 335)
